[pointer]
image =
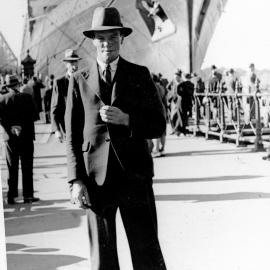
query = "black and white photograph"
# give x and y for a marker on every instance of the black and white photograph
(134, 135)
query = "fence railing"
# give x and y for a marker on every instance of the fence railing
(234, 116)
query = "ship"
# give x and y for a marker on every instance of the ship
(8, 60)
(167, 34)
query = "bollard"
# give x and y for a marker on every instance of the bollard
(258, 145)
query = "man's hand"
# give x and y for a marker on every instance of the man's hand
(114, 115)
(59, 135)
(79, 195)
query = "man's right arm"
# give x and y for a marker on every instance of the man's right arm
(74, 141)
(74, 122)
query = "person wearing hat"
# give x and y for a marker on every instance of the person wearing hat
(174, 102)
(17, 116)
(251, 84)
(186, 91)
(113, 107)
(59, 94)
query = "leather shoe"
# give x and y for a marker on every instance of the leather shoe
(31, 200)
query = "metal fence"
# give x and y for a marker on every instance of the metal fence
(240, 117)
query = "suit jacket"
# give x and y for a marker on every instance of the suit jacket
(186, 91)
(37, 86)
(89, 139)
(18, 109)
(58, 103)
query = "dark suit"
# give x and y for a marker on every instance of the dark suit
(18, 109)
(37, 86)
(114, 163)
(58, 104)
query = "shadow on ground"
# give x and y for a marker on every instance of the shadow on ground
(43, 261)
(206, 179)
(209, 152)
(197, 198)
(44, 216)
(40, 262)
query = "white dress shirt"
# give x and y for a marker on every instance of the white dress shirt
(113, 65)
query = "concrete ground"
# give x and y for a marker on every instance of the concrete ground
(213, 204)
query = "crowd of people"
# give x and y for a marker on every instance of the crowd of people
(177, 97)
(22, 103)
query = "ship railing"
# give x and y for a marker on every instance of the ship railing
(240, 117)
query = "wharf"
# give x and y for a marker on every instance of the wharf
(213, 205)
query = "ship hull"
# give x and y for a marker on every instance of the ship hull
(179, 41)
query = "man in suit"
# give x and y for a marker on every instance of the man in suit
(112, 109)
(59, 94)
(186, 91)
(37, 85)
(17, 116)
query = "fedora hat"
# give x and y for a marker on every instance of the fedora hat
(106, 19)
(178, 72)
(11, 80)
(71, 55)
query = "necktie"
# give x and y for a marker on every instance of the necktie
(107, 74)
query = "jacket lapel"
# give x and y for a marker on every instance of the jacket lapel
(93, 81)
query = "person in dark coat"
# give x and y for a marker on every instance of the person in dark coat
(37, 86)
(17, 116)
(59, 95)
(159, 143)
(112, 109)
(186, 91)
(214, 86)
(48, 98)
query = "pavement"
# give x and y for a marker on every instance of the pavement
(213, 206)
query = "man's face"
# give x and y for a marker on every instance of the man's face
(108, 45)
(177, 77)
(71, 66)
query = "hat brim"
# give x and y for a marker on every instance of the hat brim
(71, 59)
(126, 31)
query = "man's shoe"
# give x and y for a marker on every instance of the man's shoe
(156, 154)
(266, 157)
(161, 153)
(11, 201)
(31, 200)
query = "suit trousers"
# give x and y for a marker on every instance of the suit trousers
(17, 149)
(136, 204)
(135, 200)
